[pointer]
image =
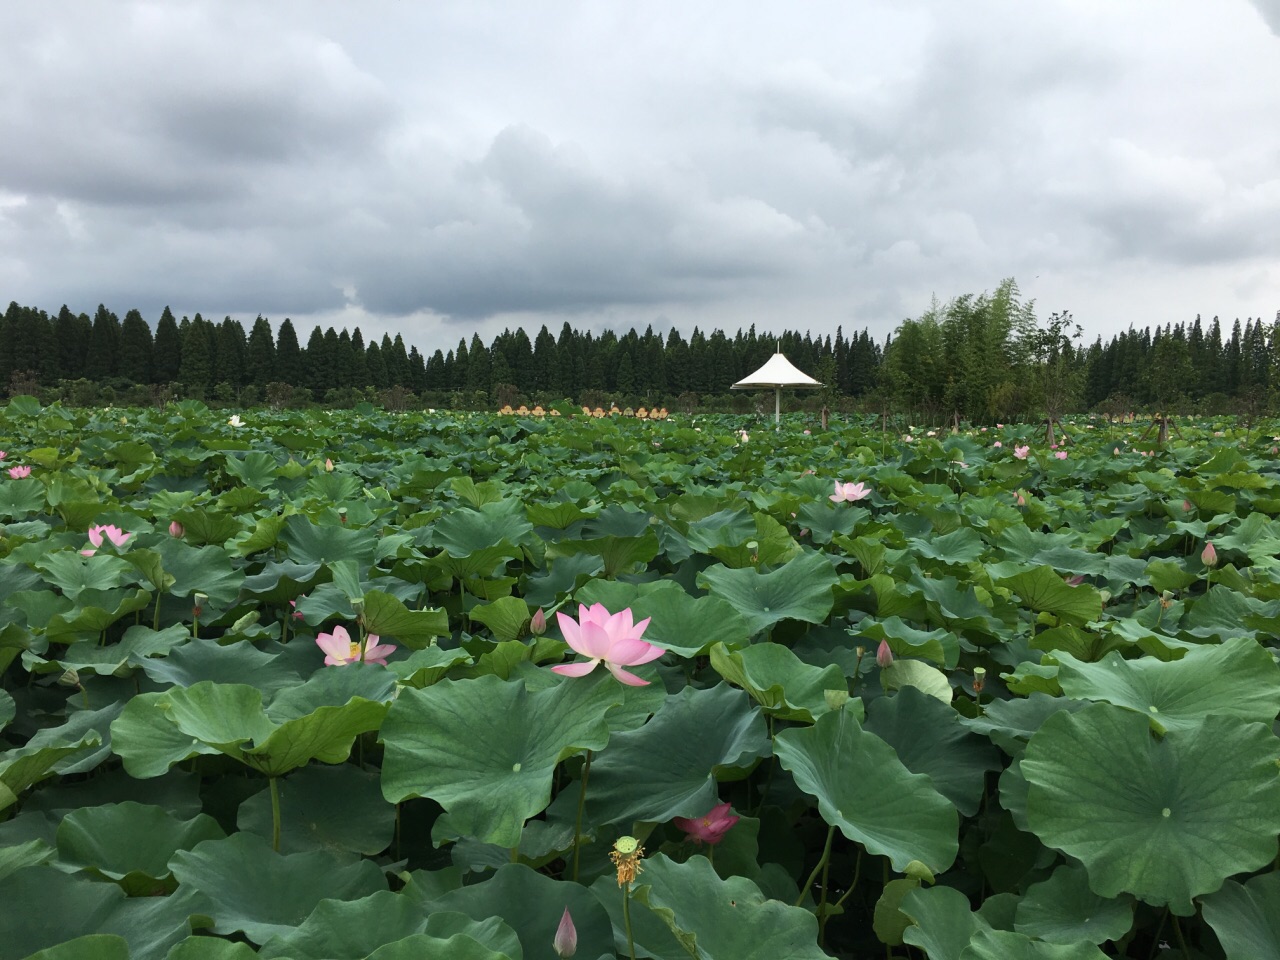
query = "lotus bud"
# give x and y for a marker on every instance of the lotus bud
(884, 655)
(177, 530)
(328, 465)
(1186, 506)
(538, 626)
(1209, 556)
(565, 943)
(836, 699)
(979, 679)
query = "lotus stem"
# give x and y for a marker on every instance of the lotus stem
(857, 872)
(818, 867)
(155, 617)
(626, 918)
(275, 814)
(1177, 931)
(577, 824)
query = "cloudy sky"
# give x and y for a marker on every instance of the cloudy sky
(448, 167)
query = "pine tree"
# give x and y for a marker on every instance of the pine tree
(290, 363)
(134, 362)
(196, 370)
(260, 355)
(104, 345)
(166, 354)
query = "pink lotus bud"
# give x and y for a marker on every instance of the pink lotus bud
(538, 624)
(884, 656)
(565, 943)
(1209, 556)
(328, 465)
(177, 530)
(1186, 505)
(1020, 499)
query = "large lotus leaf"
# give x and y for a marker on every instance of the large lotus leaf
(1003, 944)
(1238, 678)
(953, 604)
(72, 573)
(566, 573)
(130, 843)
(149, 742)
(92, 946)
(457, 947)
(8, 709)
(255, 470)
(1011, 723)
(424, 667)
(463, 532)
(724, 919)
(908, 674)
(138, 644)
(95, 610)
(1182, 813)
(44, 907)
(1063, 909)
(236, 663)
(940, 646)
(80, 724)
(783, 684)
(222, 715)
(388, 617)
(281, 581)
(943, 923)
(15, 856)
(531, 904)
(506, 617)
(486, 749)
(1222, 612)
(1044, 590)
(262, 893)
(958, 546)
(210, 948)
(205, 525)
(21, 497)
(336, 808)
(27, 765)
(617, 554)
(682, 623)
(1247, 918)
(206, 570)
(929, 738)
(865, 790)
(352, 930)
(800, 590)
(668, 767)
(308, 542)
(334, 687)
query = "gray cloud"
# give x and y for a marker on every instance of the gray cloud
(441, 170)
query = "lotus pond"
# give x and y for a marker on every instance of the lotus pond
(858, 694)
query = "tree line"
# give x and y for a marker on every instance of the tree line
(976, 357)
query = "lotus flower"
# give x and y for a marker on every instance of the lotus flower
(1061, 454)
(884, 655)
(850, 492)
(297, 614)
(1021, 452)
(17, 473)
(709, 828)
(340, 649)
(3, 454)
(997, 444)
(235, 420)
(177, 530)
(1209, 556)
(609, 638)
(565, 943)
(109, 532)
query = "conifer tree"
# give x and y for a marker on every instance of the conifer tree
(166, 353)
(134, 362)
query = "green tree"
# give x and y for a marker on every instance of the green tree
(196, 370)
(104, 345)
(166, 355)
(135, 348)
(260, 354)
(290, 363)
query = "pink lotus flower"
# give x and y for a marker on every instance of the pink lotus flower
(997, 444)
(177, 530)
(1021, 452)
(850, 492)
(108, 532)
(1061, 454)
(884, 655)
(3, 454)
(1074, 581)
(608, 638)
(1209, 556)
(340, 649)
(565, 943)
(709, 828)
(297, 614)
(17, 473)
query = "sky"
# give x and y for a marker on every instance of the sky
(448, 168)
